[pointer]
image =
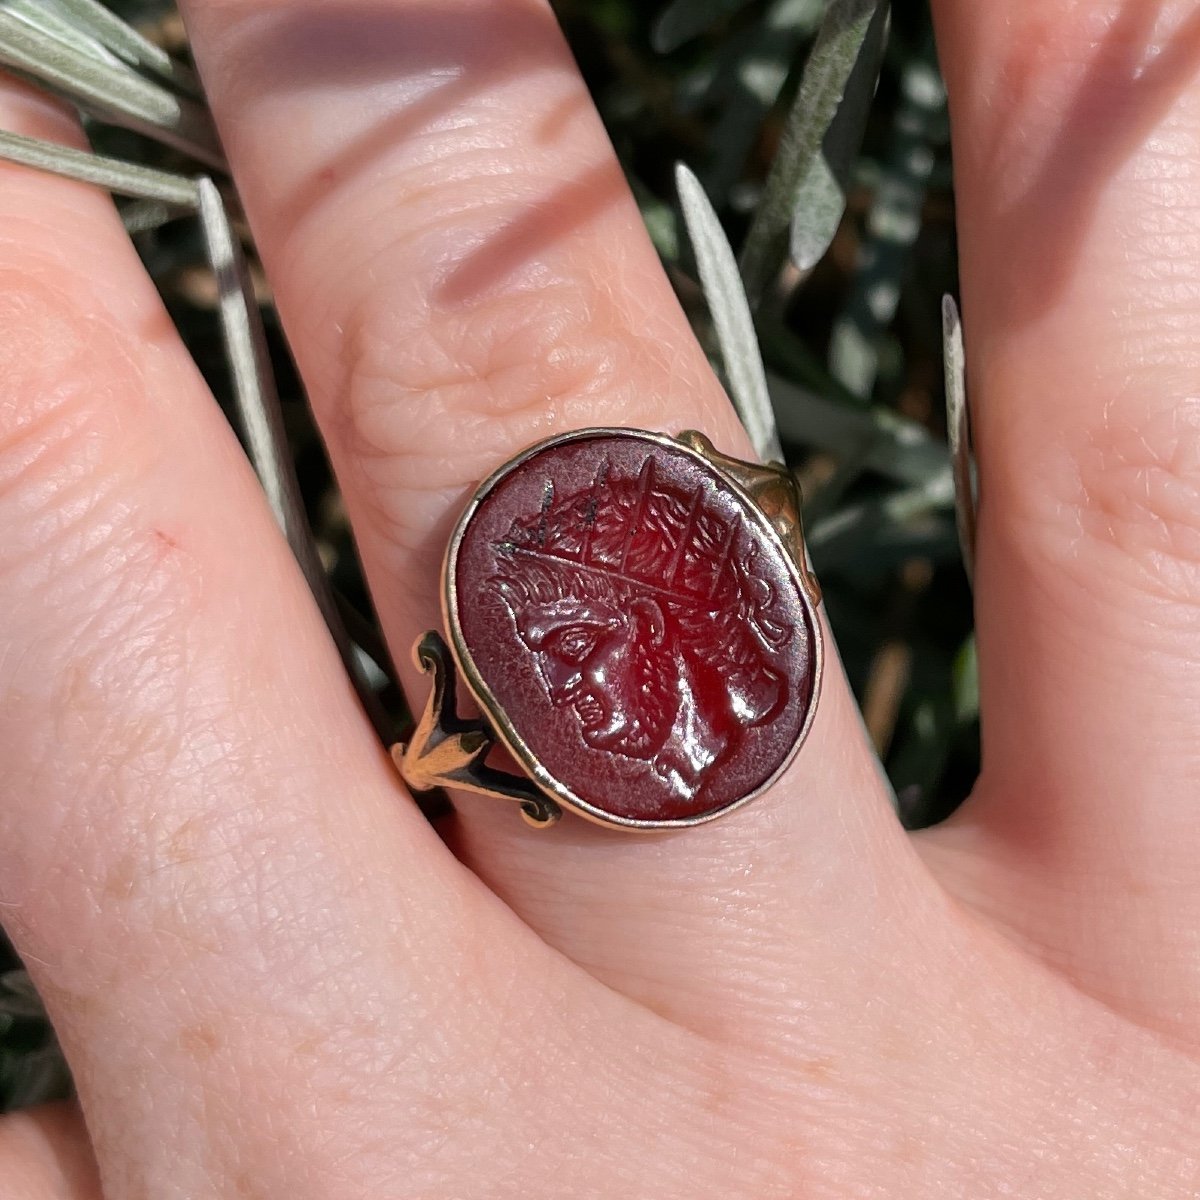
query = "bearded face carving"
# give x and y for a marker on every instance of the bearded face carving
(611, 664)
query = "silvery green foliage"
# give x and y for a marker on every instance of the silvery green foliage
(820, 198)
(177, 192)
(50, 43)
(822, 86)
(742, 81)
(92, 19)
(958, 426)
(731, 316)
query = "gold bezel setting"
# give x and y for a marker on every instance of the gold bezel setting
(448, 751)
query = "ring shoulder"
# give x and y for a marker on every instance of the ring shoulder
(449, 751)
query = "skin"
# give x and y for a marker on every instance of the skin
(273, 979)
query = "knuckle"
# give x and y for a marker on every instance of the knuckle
(1141, 487)
(70, 408)
(90, 586)
(41, 346)
(496, 357)
(1132, 508)
(64, 391)
(479, 325)
(423, 412)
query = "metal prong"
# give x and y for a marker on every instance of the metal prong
(448, 751)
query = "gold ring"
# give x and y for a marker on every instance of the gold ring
(635, 618)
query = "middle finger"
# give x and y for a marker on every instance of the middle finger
(462, 271)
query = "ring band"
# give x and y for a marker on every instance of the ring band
(635, 617)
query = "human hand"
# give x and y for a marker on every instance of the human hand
(271, 977)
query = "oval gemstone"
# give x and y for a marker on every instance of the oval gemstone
(633, 627)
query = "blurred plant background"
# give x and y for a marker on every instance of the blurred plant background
(817, 130)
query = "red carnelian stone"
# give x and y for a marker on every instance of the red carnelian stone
(636, 623)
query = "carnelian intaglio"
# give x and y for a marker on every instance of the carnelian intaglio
(633, 627)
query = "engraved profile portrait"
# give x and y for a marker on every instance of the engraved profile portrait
(647, 621)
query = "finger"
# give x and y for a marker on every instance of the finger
(45, 1155)
(205, 858)
(1074, 135)
(462, 271)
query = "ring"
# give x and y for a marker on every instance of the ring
(635, 617)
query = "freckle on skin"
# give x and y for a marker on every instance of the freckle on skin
(821, 1070)
(199, 1042)
(308, 1047)
(120, 880)
(182, 846)
(247, 1186)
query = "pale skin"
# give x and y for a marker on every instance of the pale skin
(271, 976)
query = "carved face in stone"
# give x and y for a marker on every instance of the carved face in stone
(610, 662)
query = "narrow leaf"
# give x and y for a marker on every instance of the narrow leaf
(261, 419)
(821, 197)
(112, 92)
(856, 528)
(879, 439)
(746, 74)
(821, 89)
(253, 386)
(731, 317)
(820, 204)
(143, 216)
(127, 43)
(958, 425)
(45, 16)
(123, 178)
